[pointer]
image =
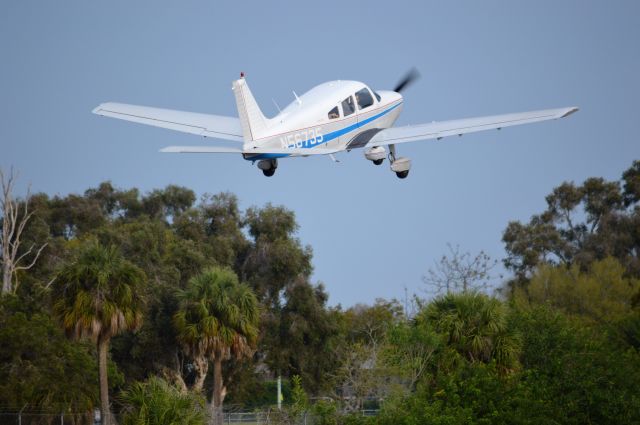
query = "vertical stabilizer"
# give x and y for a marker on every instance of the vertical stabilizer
(254, 123)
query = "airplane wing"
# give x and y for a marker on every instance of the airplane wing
(215, 126)
(256, 151)
(437, 130)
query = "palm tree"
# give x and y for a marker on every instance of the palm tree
(217, 320)
(97, 296)
(475, 326)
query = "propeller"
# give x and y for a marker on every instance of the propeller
(408, 79)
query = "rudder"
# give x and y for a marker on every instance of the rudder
(254, 124)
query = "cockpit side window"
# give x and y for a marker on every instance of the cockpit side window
(364, 98)
(377, 96)
(333, 114)
(348, 107)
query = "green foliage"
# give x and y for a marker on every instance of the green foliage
(325, 413)
(277, 260)
(96, 294)
(256, 393)
(217, 320)
(410, 350)
(581, 224)
(40, 369)
(370, 324)
(155, 402)
(575, 373)
(300, 401)
(475, 327)
(218, 316)
(602, 294)
(564, 349)
(302, 337)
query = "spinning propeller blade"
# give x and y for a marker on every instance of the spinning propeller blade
(408, 79)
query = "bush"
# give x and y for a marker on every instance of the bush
(155, 402)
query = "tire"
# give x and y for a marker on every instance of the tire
(270, 172)
(402, 174)
(378, 161)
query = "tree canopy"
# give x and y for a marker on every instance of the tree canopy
(175, 296)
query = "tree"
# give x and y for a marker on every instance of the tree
(276, 259)
(40, 369)
(582, 224)
(217, 320)
(361, 374)
(475, 327)
(277, 267)
(410, 349)
(303, 336)
(155, 402)
(573, 372)
(459, 272)
(96, 297)
(15, 216)
(602, 293)
(168, 203)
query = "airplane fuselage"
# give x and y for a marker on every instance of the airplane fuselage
(329, 116)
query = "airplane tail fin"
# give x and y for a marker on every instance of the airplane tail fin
(254, 124)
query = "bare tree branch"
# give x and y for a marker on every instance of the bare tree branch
(14, 223)
(460, 272)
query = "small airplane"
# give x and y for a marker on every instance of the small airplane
(332, 117)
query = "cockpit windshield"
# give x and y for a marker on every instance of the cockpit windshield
(364, 98)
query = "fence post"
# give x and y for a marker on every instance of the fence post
(20, 415)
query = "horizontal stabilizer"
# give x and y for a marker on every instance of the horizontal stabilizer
(215, 126)
(256, 151)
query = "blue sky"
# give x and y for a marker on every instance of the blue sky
(372, 233)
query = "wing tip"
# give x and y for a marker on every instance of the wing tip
(100, 109)
(569, 111)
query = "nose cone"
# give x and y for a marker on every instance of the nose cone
(389, 96)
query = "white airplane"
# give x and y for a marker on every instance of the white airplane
(330, 118)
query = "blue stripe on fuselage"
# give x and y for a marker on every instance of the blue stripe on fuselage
(326, 138)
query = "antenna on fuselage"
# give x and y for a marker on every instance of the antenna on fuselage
(276, 103)
(297, 98)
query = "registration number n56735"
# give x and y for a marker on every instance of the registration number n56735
(302, 139)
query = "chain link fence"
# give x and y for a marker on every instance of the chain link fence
(48, 418)
(266, 417)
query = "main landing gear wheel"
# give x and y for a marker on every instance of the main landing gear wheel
(268, 166)
(400, 166)
(375, 154)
